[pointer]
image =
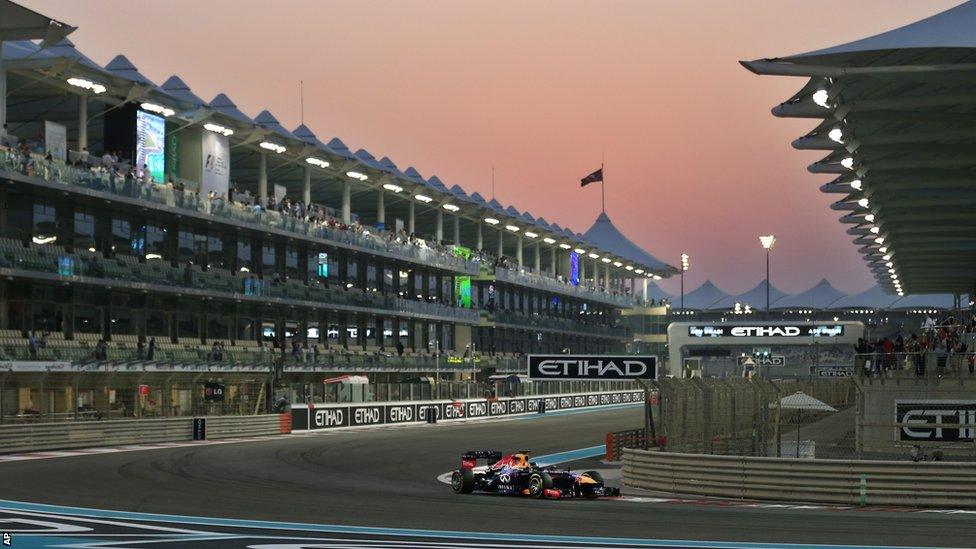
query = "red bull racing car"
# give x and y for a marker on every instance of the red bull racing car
(516, 474)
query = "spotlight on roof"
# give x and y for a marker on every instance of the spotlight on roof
(531, 234)
(392, 187)
(273, 147)
(158, 109)
(656, 277)
(883, 249)
(856, 184)
(317, 162)
(847, 162)
(86, 84)
(879, 240)
(618, 264)
(580, 251)
(593, 255)
(629, 267)
(836, 135)
(564, 246)
(548, 240)
(491, 221)
(606, 260)
(639, 271)
(451, 207)
(821, 97)
(421, 197)
(875, 230)
(217, 128)
(512, 228)
(357, 175)
(863, 203)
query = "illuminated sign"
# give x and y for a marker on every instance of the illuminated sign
(936, 420)
(768, 330)
(762, 360)
(151, 144)
(462, 291)
(592, 367)
(323, 268)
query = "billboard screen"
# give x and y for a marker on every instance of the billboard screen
(462, 291)
(574, 268)
(151, 144)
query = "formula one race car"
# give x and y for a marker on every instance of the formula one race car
(515, 474)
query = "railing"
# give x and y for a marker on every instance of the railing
(555, 323)
(103, 181)
(32, 437)
(920, 365)
(537, 281)
(55, 260)
(845, 482)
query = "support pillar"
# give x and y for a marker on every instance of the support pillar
(552, 262)
(457, 230)
(479, 242)
(538, 260)
(501, 243)
(82, 122)
(381, 209)
(307, 186)
(263, 179)
(439, 228)
(346, 202)
(518, 250)
(411, 218)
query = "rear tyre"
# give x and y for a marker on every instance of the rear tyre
(539, 483)
(462, 481)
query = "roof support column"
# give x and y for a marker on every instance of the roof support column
(501, 243)
(606, 277)
(380, 210)
(581, 263)
(479, 242)
(346, 202)
(263, 179)
(644, 289)
(307, 186)
(3, 93)
(411, 219)
(552, 262)
(457, 230)
(439, 228)
(82, 122)
(538, 260)
(518, 250)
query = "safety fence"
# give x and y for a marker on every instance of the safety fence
(845, 482)
(739, 416)
(331, 416)
(631, 438)
(57, 436)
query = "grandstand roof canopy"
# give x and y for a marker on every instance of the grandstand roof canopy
(895, 114)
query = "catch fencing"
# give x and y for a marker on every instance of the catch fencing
(738, 416)
(844, 482)
(32, 437)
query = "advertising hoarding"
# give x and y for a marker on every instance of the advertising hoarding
(215, 155)
(56, 140)
(462, 291)
(151, 144)
(562, 367)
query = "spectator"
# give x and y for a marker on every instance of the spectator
(32, 346)
(141, 348)
(151, 349)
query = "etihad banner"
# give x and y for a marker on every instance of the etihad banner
(330, 416)
(565, 367)
(936, 420)
(768, 330)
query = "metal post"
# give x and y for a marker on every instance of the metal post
(263, 179)
(82, 122)
(767, 283)
(307, 186)
(682, 289)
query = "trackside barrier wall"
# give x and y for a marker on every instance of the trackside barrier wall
(922, 484)
(330, 416)
(56, 436)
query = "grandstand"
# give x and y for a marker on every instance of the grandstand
(145, 231)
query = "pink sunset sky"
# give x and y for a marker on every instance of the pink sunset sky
(695, 162)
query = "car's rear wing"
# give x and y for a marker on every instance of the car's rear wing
(469, 460)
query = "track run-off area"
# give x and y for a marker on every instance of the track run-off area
(380, 486)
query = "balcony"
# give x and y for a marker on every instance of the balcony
(557, 324)
(525, 277)
(359, 238)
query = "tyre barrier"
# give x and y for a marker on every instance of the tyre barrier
(32, 437)
(834, 481)
(313, 417)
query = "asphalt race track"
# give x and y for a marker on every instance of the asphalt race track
(387, 478)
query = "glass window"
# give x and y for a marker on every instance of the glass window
(122, 237)
(155, 242)
(268, 265)
(44, 230)
(352, 270)
(184, 250)
(84, 237)
(187, 325)
(370, 275)
(244, 255)
(217, 327)
(157, 323)
(18, 216)
(291, 261)
(214, 249)
(200, 249)
(121, 321)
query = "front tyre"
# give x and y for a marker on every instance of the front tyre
(462, 481)
(539, 483)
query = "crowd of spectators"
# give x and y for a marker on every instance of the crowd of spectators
(945, 340)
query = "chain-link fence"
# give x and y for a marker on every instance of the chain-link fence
(739, 416)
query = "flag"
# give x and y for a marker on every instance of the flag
(592, 178)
